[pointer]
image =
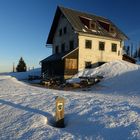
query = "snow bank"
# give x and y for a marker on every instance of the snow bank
(24, 75)
(118, 75)
(108, 70)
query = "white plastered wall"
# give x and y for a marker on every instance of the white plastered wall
(65, 38)
(94, 54)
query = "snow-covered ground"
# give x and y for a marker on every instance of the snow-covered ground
(108, 111)
(25, 75)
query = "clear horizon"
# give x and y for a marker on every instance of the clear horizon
(25, 25)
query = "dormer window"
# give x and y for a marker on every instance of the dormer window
(104, 25)
(112, 30)
(88, 23)
(85, 21)
(93, 25)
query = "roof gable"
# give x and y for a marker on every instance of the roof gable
(54, 26)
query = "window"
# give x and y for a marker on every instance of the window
(85, 21)
(63, 47)
(65, 30)
(114, 47)
(101, 46)
(71, 63)
(93, 25)
(71, 45)
(88, 23)
(56, 49)
(60, 32)
(104, 25)
(88, 44)
(112, 30)
(88, 64)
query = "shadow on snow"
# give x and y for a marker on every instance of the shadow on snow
(32, 110)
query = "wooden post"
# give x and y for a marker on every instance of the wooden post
(60, 112)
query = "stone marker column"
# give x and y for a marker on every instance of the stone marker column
(59, 112)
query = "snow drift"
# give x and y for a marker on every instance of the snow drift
(24, 75)
(118, 75)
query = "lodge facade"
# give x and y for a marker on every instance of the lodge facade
(80, 40)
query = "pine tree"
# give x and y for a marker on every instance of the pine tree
(128, 50)
(21, 67)
(135, 54)
(131, 51)
(139, 53)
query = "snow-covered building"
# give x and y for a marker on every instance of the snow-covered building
(80, 40)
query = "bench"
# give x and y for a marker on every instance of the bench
(90, 80)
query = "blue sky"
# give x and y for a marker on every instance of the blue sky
(25, 24)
